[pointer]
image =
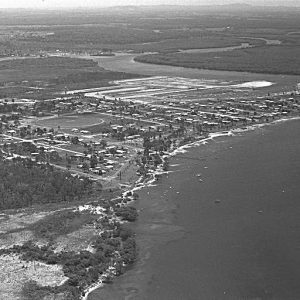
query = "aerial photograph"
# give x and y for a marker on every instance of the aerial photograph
(149, 150)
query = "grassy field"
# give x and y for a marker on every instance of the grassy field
(41, 77)
(272, 60)
(72, 121)
(50, 68)
(92, 122)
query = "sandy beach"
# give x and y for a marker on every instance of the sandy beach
(215, 225)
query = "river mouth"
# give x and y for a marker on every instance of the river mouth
(125, 62)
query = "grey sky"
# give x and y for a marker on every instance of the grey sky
(86, 3)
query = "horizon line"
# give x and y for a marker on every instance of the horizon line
(153, 5)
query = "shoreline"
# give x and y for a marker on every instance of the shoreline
(143, 183)
(135, 56)
(229, 220)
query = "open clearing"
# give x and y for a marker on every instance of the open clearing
(14, 272)
(72, 121)
(93, 122)
(158, 88)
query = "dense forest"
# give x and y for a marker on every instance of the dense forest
(281, 59)
(24, 183)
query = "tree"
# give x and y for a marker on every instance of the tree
(75, 140)
(85, 167)
(103, 143)
(69, 162)
(93, 161)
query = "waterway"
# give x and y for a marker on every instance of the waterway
(125, 62)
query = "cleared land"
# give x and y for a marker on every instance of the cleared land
(92, 122)
(15, 272)
(153, 90)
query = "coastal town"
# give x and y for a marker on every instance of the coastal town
(113, 135)
(113, 139)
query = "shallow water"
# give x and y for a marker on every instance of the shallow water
(241, 222)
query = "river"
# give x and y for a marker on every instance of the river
(124, 62)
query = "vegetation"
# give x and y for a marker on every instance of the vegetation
(127, 213)
(141, 29)
(47, 62)
(24, 183)
(51, 74)
(61, 223)
(42, 68)
(102, 75)
(83, 268)
(271, 59)
(32, 291)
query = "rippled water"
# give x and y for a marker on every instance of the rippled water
(223, 224)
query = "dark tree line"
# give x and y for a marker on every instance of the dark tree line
(24, 183)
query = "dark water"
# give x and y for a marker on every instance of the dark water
(235, 235)
(245, 245)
